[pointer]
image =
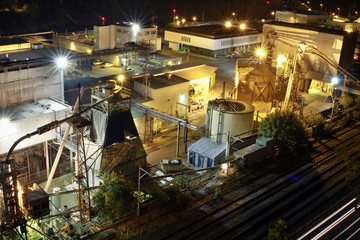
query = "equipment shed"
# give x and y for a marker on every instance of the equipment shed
(206, 153)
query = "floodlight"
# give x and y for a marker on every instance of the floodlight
(135, 28)
(4, 122)
(335, 80)
(281, 58)
(121, 78)
(61, 62)
(260, 52)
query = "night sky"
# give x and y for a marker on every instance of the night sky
(71, 14)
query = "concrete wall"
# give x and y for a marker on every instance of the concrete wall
(211, 44)
(26, 85)
(104, 37)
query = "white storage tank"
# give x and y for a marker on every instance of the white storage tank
(228, 115)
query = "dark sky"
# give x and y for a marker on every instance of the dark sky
(60, 14)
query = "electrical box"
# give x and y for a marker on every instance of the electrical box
(37, 202)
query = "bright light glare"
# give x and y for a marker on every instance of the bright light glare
(260, 53)
(4, 122)
(182, 98)
(334, 80)
(280, 60)
(136, 28)
(228, 24)
(242, 26)
(121, 78)
(61, 62)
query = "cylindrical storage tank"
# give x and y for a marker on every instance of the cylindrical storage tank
(228, 115)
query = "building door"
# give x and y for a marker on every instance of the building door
(209, 162)
(200, 161)
(192, 158)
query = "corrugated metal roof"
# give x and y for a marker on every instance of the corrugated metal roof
(196, 72)
(207, 147)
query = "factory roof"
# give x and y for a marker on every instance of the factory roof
(214, 31)
(33, 109)
(232, 106)
(42, 53)
(208, 148)
(10, 41)
(309, 27)
(161, 81)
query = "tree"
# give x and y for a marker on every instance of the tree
(287, 129)
(278, 232)
(115, 196)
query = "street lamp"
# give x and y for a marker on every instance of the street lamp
(228, 24)
(194, 19)
(338, 10)
(242, 26)
(334, 81)
(260, 53)
(61, 64)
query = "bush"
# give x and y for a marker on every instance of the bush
(320, 129)
(115, 197)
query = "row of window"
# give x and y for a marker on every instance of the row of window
(185, 39)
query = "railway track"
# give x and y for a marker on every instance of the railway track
(236, 214)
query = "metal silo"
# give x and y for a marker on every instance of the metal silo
(228, 115)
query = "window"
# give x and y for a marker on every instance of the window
(153, 32)
(119, 30)
(147, 32)
(185, 39)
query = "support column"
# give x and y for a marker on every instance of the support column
(47, 160)
(178, 141)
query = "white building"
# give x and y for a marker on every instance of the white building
(116, 35)
(31, 95)
(212, 40)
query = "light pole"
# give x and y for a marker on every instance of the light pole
(61, 64)
(334, 81)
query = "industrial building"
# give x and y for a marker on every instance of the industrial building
(337, 46)
(201, 76)
(31, 95)
(213, 40)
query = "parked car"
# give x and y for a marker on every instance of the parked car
(98, 62)
(108, 65)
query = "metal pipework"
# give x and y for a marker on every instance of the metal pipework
(61, 147)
